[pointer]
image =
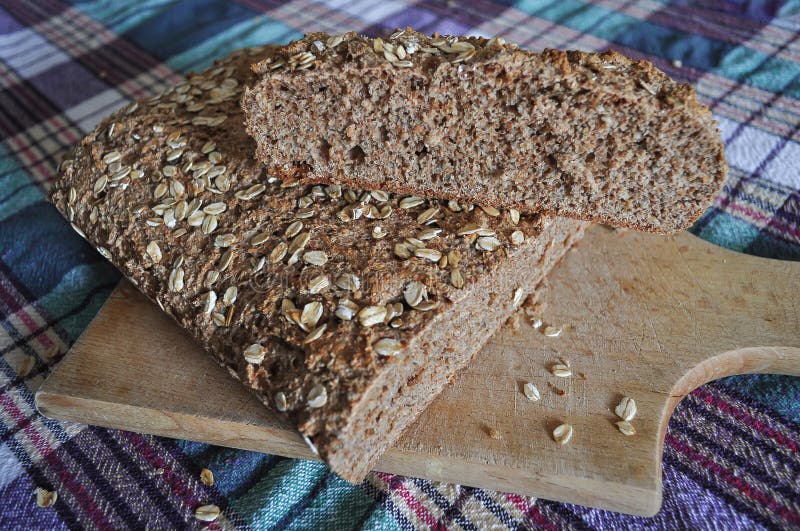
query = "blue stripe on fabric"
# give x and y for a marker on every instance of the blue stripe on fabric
(16, 191)
(725, 230)
(251, 32)
(243, 468)
(185, 25)
(286, 484)
(42, 253)
(75, 288)
(728, 60)
(120, 17)
(338, 504)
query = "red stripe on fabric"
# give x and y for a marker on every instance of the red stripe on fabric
(783, 227)
(56, 465)
(395, 484)
(171, 478)
(747, 418)
(531, 511)
(728, 477)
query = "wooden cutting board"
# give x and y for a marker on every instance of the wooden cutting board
(644, 316)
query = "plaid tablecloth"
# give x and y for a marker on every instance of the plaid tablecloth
(732, 453)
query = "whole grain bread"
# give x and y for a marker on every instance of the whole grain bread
(590, 136)
(345, 311)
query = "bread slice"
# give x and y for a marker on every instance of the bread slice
(590, 136)
(345, 311)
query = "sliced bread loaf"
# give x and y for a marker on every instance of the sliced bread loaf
(347, 312)
(590, 136)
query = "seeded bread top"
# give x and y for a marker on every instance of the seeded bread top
(316, 288)
(407, 48)
(594, 136)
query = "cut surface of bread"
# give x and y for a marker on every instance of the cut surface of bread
(346, 312)
(593, 136)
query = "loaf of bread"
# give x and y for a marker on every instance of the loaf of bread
(347, 312)
(589, 136)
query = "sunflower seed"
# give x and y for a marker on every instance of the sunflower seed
(225, 240)
(518, 296)
(215, 157)
(380, 196)
(626, 409)
(490, 210)
(258, 239)
(215, 209)
(415, 292)
(310, 315)
(317, 396)
(378, 232)
(299, 242)
(561, 370)
(258, 263)
(169, 170)
(278, 252)
(426, 306)
(180, 210)
(304, 213)
(169, 218)
(427, 215)
(207, 513)
(318, 283)
(402, 251)
(281, 404)
(112, 156)
(470, 228)
(229, 297)
(562, 434)
(316, 258)
(219, 319)
(175, 282)
(626, 428)
(428, 233)
(429, 254)
(456, 278)
(392, 311)
(100, 184)
(348, 282)
(211, 278)
(517, 237)
(411, 202)
(255, 353)
(251, 193)
(207, 477)
(154, 251)
(225, 260)
(387, 347)
(294, 229)
(531, 392)
(372, 315)
(552, 331)
(208, 147)
(346, 309)
(514, 215)
(209, 224)
(315, 334)
(209, 301)
(488, 243)
(45, 498)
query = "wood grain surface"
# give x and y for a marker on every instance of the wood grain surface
(645, 316)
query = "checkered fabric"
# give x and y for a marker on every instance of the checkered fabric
(732, 451)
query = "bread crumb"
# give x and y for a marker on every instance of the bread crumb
(495, 434)
(207, 477)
